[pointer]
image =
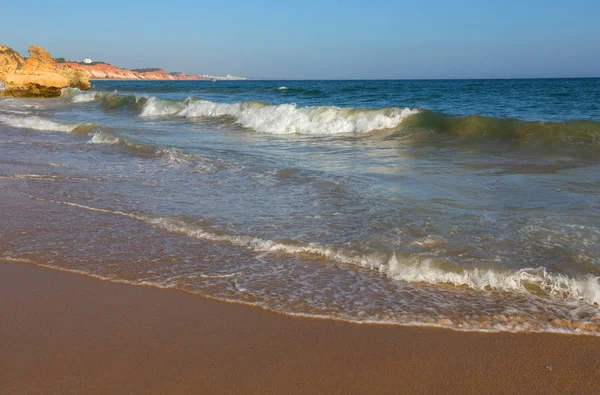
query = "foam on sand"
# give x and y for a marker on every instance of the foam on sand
(413, 269)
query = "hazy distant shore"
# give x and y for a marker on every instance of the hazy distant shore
(106, 71)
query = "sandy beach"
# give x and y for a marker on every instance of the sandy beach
(66, 333)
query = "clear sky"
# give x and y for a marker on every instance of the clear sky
(310, 39)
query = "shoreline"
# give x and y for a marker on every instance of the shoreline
(301, 316)
(71, 333)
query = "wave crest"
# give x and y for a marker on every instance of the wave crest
(43, 124)
(284, 118)
(535, 133)
(76, 95)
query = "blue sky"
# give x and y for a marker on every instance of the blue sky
(319, 39)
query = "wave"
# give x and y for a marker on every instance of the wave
(154, 107)
(407, 268)
(415, 269)
(101, 135)
(76, 95)
(43, 124)
(416, 125)
(283, 118)
(407, 124)
(114, 101)
(478, 127)
(172, 155)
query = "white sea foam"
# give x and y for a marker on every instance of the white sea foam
(556, 288)
(105, 138)
(84, 97)
(501, 323)
(283, 88)
(37, 123)
(78, 96)
(415, 269)
(18, 112)
(285, 118)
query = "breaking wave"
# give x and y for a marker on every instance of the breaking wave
(154, 107)
(284, 118)
(43, 124)
(415, 269)
(76, 95)
(101, 135)
(408, 268)
(419, 125)
(115, 101)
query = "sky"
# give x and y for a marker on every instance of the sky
(377, 39)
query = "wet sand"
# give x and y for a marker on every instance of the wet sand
(64, 333)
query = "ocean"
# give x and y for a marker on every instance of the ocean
(467, 204)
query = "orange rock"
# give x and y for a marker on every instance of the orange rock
(32, 85)
(38, 76)
(10, 60)
(39, 61)
(77, 78)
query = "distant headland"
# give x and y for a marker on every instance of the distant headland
(43, 75)
(105, 71)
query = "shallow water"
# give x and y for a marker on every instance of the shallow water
(468, 204)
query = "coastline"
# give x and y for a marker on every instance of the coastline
(70, 333)
(133, 80)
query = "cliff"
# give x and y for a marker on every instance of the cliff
(10, 61)
(106, 71)
(38, 76)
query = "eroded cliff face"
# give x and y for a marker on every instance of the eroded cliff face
(10, 60)
(38, 76)
(77, 78)
(107, 71)
(39, 61)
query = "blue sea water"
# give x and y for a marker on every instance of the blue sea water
(526, 99)
(470, 204)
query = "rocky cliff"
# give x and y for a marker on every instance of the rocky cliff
(107, 71)
(39, 61)
(38, 76)
(10, 61)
